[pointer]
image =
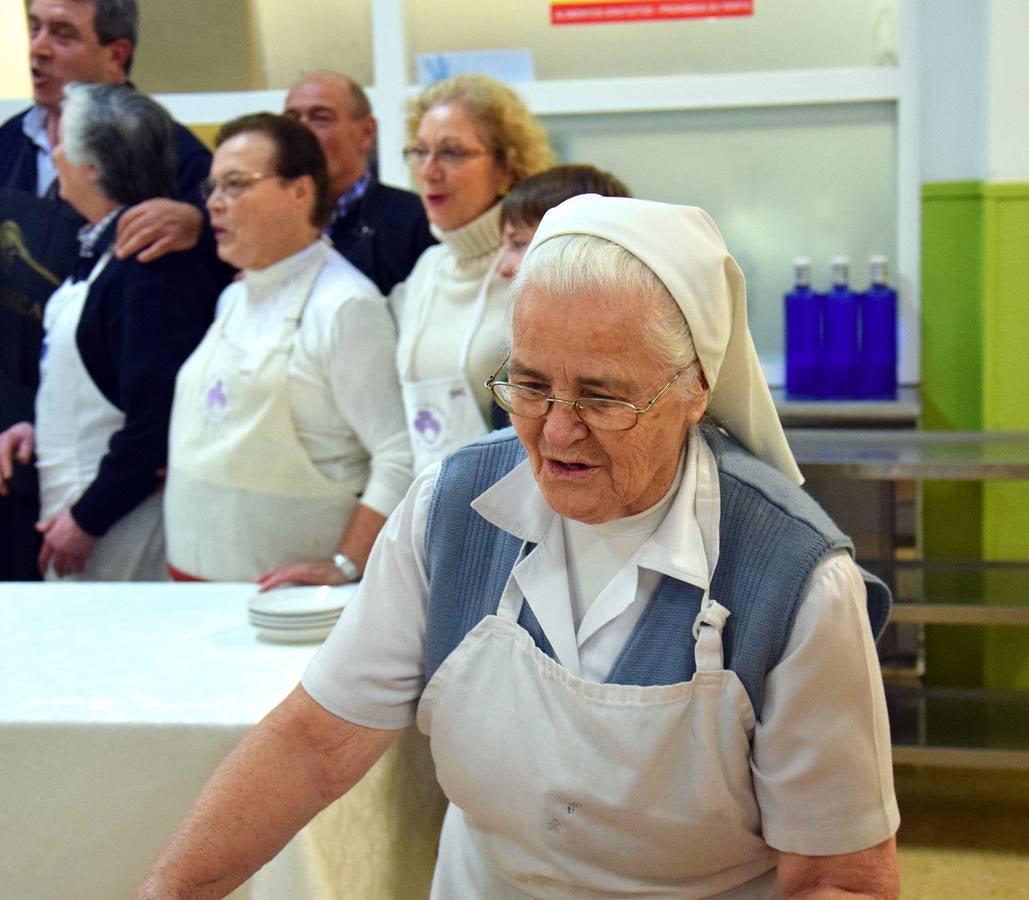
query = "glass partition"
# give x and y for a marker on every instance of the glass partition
(784, 182)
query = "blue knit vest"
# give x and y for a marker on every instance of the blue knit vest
(772, 535)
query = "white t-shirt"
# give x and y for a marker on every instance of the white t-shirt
(823, 732)
(344, 395)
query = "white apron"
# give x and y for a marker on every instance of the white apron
(74, 425)
(242, 495)
(561, 787)
(442, 413)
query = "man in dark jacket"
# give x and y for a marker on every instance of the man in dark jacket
(69, 40)
(382, 230)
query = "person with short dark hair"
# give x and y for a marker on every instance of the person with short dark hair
(381, 229)
(116, 333)
(287, 447)
(522, 209)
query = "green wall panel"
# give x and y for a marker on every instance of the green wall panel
(952, 286)
(975, 374)
(1006, 405)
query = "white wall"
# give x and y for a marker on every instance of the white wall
(953, 61)
(975, 90)
(1007, 90)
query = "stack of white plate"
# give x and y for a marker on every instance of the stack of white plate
(298, 614)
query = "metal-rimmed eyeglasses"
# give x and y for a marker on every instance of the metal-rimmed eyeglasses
(599, 413)
(233, 184)
(418, 156)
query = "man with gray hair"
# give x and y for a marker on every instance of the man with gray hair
(382, 230)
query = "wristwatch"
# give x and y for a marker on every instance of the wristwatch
(346, 566)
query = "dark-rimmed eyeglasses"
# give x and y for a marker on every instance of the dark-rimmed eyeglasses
(598, 413)
(418, 156)
(233, 184)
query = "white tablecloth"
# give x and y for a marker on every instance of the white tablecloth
(117, 701)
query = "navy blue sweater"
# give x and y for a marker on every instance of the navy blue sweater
(138, 325)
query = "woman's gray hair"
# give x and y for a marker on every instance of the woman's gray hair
(579, 263)
(128, 137)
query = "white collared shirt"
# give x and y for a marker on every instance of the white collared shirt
(822, 743)
(371, 668)
(672, 543)
(34, 128)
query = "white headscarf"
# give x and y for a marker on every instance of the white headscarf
(684, 248)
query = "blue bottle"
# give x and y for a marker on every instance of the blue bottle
(840, 335)
(878, 370)
(803, 333)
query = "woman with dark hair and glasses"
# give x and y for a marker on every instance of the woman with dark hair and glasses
(116, 333)
(471, 139)
(287, 448)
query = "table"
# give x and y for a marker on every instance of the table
(119, 700)
(891, 455)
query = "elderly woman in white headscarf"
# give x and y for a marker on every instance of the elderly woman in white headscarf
(644, 657)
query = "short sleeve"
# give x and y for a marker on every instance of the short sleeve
(370, 670)
(821, 759)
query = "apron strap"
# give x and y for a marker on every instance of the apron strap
(478, 312)
(707, 629)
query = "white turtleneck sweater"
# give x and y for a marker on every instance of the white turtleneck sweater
(343, 390)
(434, 307)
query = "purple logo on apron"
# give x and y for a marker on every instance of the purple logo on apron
(216, 397)
(215, 402)
(427, 426)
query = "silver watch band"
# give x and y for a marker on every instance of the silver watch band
(347, 566)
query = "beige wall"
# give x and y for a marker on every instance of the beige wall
(14, 48)
(195, 45)
(239, 44)
(781, 34)
(232, 45)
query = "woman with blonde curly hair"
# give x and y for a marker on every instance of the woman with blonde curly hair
(470, 140)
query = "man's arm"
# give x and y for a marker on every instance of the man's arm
(870, 873)
(158, 226)
(292, 765)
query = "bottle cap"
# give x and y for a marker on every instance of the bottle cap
(840, 269)
(802, 270)
(877, 269)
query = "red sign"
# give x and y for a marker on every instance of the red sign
(587, 12)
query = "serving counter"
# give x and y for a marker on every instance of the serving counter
(931, 725)
(118, 702)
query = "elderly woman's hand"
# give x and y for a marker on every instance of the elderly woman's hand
(158, 226)
(16, 443)
(321, 571)
(65, 544)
